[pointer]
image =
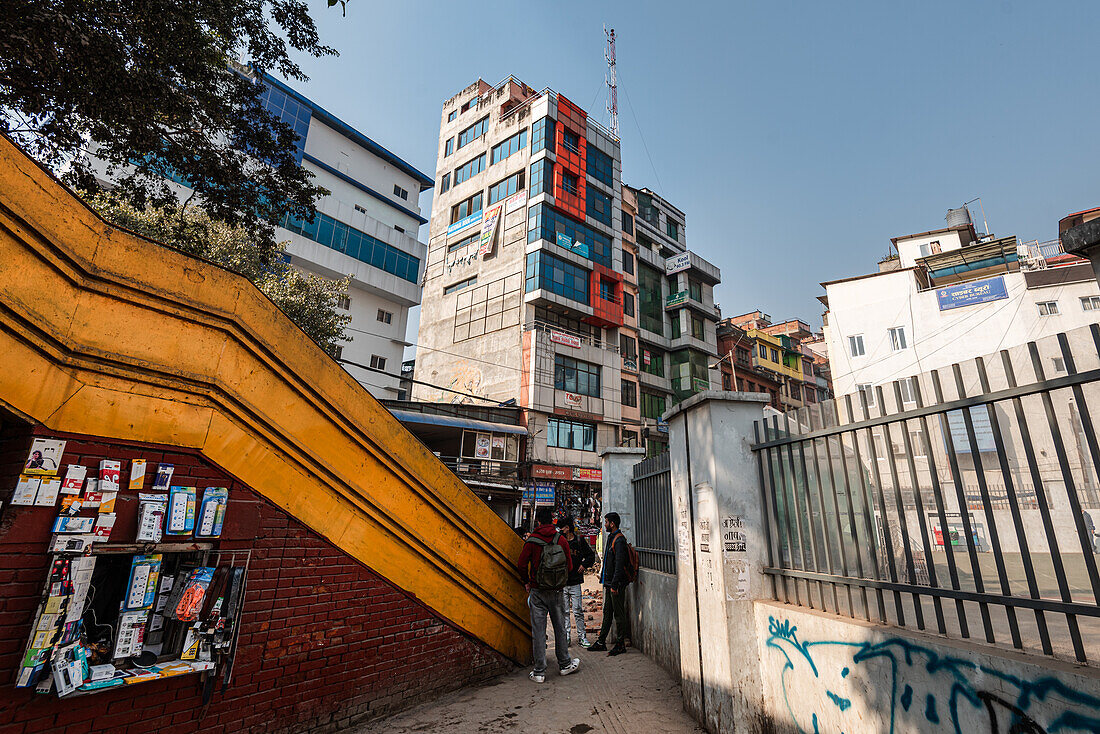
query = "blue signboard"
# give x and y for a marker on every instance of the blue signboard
(569, 243)
(541, 494)
(971, 294)
(462, 224)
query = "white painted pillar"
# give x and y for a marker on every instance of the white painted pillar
(618, 489)
(721, 553)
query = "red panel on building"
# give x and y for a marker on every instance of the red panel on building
(571, 161)
(605, 293)
(324, 642)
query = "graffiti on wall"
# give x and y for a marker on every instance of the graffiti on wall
(830, 685)
(467, 379)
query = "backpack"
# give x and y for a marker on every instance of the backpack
(553, 568)
(633, 562)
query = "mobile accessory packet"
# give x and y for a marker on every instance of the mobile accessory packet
(211, 512)
(181, 510)
(151, 511)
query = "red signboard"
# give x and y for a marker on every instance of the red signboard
(545, 471)
(583, 474)
(568, 340)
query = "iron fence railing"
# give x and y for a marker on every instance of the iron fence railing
(924, 510)
(654, 524)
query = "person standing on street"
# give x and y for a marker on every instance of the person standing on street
(583, 557)
(613, 576)
(544, 567)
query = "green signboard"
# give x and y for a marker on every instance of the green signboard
(676, 299)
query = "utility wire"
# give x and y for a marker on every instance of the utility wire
(641, 135)
(497, 403)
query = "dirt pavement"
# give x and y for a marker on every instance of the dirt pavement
(627, 693)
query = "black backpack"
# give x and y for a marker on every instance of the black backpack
(553, 568)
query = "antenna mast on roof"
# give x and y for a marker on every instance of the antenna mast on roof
(612, 85)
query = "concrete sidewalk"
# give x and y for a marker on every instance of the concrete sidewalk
(618, 695)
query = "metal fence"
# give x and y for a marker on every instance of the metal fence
(654, 525)
(914, 503)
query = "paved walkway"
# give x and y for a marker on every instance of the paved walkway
(618, 695)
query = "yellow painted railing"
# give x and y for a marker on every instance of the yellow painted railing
(106, 333)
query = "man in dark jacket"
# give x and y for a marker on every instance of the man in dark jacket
(613, 578)
(583, 556)
(545, 595)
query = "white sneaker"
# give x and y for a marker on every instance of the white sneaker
(538, 677)
(572, 667)
(585, 643)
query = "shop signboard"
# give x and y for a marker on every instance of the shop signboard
(676, 299)
(584, 474)
(662, 425)
(515, 201)
(569, 340)
(676, 263)
(546, 471)
(569, 243)
(630, 365)
(573, 400)
(971, 294)
(481, 447)
(700, 384)
(542, 493)
(462, 224)
(489, 230)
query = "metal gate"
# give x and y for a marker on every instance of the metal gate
(654, 525)
(957, 500)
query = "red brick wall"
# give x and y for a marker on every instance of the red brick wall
(324, 642)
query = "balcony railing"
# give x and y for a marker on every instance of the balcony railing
(583, 339)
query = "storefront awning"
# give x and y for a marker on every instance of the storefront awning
(408, 416)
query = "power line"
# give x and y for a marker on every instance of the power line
(420, 382)
(641, 135)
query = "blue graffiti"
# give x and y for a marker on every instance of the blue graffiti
(957, 690)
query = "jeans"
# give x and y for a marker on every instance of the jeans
(542, 603)
(574, 608)
(614, 605)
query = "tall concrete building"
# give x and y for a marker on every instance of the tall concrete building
(366, 227)
(524, 289)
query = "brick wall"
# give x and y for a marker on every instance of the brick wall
(324, 642)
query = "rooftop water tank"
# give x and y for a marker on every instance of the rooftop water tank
(958, 217)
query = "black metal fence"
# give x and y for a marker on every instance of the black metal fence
(957, 500)
(654, 524)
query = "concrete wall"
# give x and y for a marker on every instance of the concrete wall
(831, 674)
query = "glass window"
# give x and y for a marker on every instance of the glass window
(506, 188)
(775, 356)
(448, 147)
(855, 345)
(467, 240)
(1090, 303)
(566, 434)
(697, 328)
(545, 222)
(653, 406)
(598, 205)
(628, 223)
(628, 346)
(630, 393)
(459, 286)
(867, 393)
(695, 290)
(445, 183)
(377, 363)
(512, 145)
(290, 111)
(568, 182)
(1048, 308)
(451, 117)
(599, 166)
(473, 132)
(672, 228)
(557, 276)
(542, 177)
(762, 351)
(628, 304)
(675, 323)
(628, 263)
(400, 192)
(573, 375)
(542, 135)
(464, 209)
(651, 300)
(471, 168)
(363, 247)
(571, 140)
(653, 362)
(897, 338)
(908, 394)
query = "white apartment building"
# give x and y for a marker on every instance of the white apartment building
(366, 227)
(948, 295)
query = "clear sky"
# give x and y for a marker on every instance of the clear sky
(797, 136)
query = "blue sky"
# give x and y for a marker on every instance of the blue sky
(797, 136)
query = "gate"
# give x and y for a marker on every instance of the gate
(654, 525)
(963, 500)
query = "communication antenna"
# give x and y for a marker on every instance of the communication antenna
(984, 222)
(612, 85)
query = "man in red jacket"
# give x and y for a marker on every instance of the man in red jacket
(544, 567)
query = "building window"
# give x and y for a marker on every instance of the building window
(448, 147)
(464, 209)
(897, 338)
(344, 303)
(598, 205)
(472, 103)
(467, 240)
(1059, 364)
(607, 290)
(473, 132)
(399, 229)
(542, 135)
(628, 347)
(651, 300)
(566, 434)
(557, 276)
(628, 263)
(506, 188)
(675, 325)
(762, 351)
(573, 375)
(361, 209)
(695, 291)
(569, 183)
(697, 328)
(546, 223)
(628, 304)
(571, 140)
(363, 247)
(542, 177)
(792, 389)
(908, 392)
(512, 145)
(653, 362)
(1048, 308)
(855, 345)
(653, 406)
(600, 166)
(743, 355)
(400, 192)
(867, 394)
(630, 393)
(290, 111)
(459, 286)
(775, 356)
(451, 117)
(471, 168)
(628, 224)
(630, 439)
(445, 183)
(1090, 303)
(385, 316)
(377, 363)
(672, 228)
